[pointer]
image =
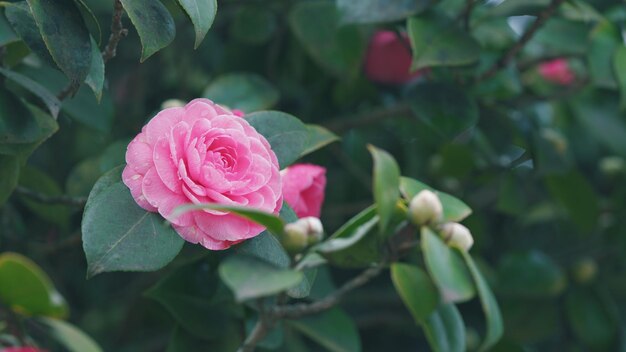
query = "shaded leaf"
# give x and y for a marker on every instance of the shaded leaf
(581, 204)
(17, 123)
(287, 135)
(248, 92)
(333, 329)
(530, 274)
(445, 329)
(153, 23)
(9, 175)
(95, 77)
(416, 289)
(70, 336)
(19, 16)
(386, 185)
(52, 103)
(619, 67)
(201, 13)
(319, 137)
(590, 319)
(374, 11)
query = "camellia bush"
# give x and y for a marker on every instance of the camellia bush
(312, 175)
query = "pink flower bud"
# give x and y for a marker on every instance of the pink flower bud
(557, 71)
(388, 59)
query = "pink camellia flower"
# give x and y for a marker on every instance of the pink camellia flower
(557, 71)
(303, 188)
(203, 153)
(238, 112)
(388, 59)
(21, 349)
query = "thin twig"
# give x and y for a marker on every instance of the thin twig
(302, 309)
(466, 14)
(523, 40)
(44, 198)
(117, 33)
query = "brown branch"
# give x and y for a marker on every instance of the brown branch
(117, 33)
(542, 18)
(43, 198)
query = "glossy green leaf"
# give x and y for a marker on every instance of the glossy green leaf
(337, 48)
(247, 92)
(445, 329)
(91, 21)
(27, 289)
(431, 104)
(530, 274)
(17, 123)
(386, 185)
(73, 339)
(619, 67)
(63, 30)
(437, 41)
(265, 246)
(333, 329)
(519, 8)
(272, 222)
(201, 13)
(416, 289)
(19, 16)
(590, 319)
(9, 175)
(95, 77)
(287, 135)
(447, 268)
(153, 23)
(495, 327)
(250, 277)
(454, 209)
(38, 181)
(197, 300)
(582, 205)
(118, 235)
(375, 11)
(52, 103)
(604, 40)
(319, 137)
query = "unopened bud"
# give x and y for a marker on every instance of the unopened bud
(425, 208)
(172, 103)
(457, 235)
(302, 233)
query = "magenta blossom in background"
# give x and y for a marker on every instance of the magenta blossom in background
(203, 153)
(557, 71)
(388, 59)
(21, 349)
(238, 112)
(303, 188)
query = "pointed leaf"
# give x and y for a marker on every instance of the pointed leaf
(70, 336)
(445, 330)
(287, 135)
(319, 137)
(416, 289)
(386, 185)
(153, 22)
(333, 329)
(247, 92)
(52, 103)
(201, 13)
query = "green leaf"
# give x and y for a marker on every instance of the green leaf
(333, 329)
(445, 330)
(604, 40)
(153, 23)
(197, 299)
(495, 327)
(431, 104)
(437, 41)
(386, 185)
(92, 22)
(518, 8)
(63, 30)
(82, 177)
(447, 268)
(70, 336)
(581, 205)
(52, 103)
(265, 246)
(95, 78)
(38, 181)
(454, 209)
(375, 11)
(17, 123)
(47, 127)
(619, 67)
(120, 236)
(230, 339)
(9, 175)
(416, 289)
(319, 137)
(201, 13)
(19, 16)
(338, 49)
(7, 35)
(35, 294)
(270, 221)
(248, 92)
(590, 319)
(530, 274)
(287, 135)
(250, 277)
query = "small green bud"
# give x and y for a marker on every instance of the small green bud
(457, 235)
(425, 208)
(302, 233)
(172, 103)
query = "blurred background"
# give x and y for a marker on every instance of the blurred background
(537, 151)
